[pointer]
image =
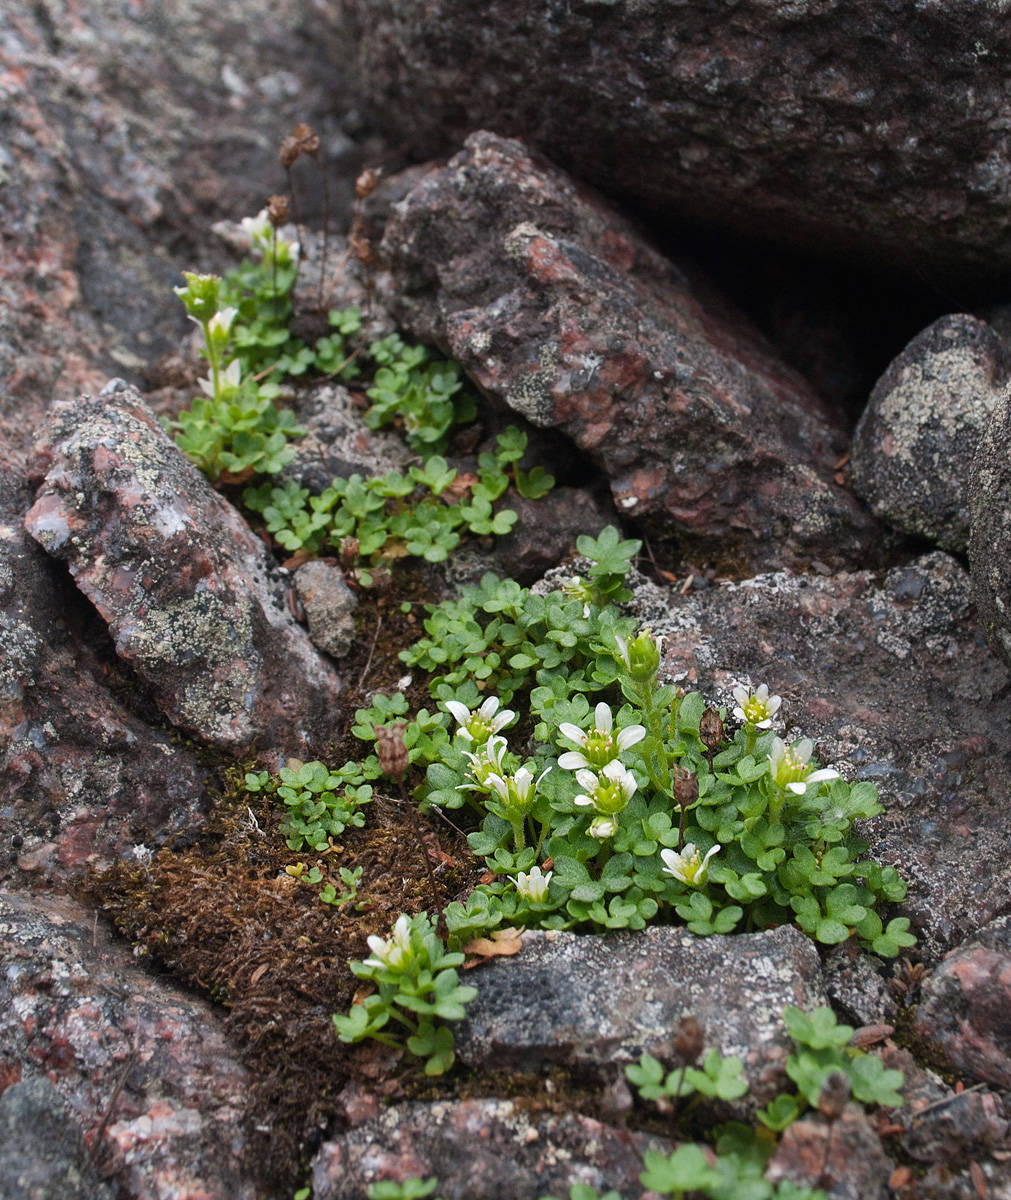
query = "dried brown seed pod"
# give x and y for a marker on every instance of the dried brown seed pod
(307, 138)
(367, 182)
(711, 729)
(686, 786)
(349, 552)
(834, 1096)
(391, 751)
(277, 210)
(288, 154)
(688, 1041)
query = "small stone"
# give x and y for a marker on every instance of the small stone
(845, 1158)
(329, 604)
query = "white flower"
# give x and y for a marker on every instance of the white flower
(394, 952)
(481, 724)
(143, 854)
(258, 227)
(755, 707)
(516, 791)
(230, 377)
(488, 760)
(788, 767)
(599, 745)
(533, 886)
(221, 322)
(689, 866)
(603, 827)
(609, 792)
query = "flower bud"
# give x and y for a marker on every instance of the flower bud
(641, 656)
(688, 1041)
(390, 750)
(834, 1095)
(711, 729)
(200, 296)
(686, 787)
(277, 210)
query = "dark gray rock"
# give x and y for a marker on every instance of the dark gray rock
(482, 1150)
(83, 775)
(840, 126)
(895, 684)
(855, 985)
(76, 1008)
(990, 540)
(329, 605)
(846, 1159)
(915, 445)
(559, 309)
(966, 1005)
(42, 1150)
(595, 1004)
(181, 580)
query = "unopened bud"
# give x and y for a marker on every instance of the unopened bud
(688, 1041)
(391, 751)
(367, 182)
(686, 787)
(277, 210)
(306, 138)
(711, 729)
(834, 1095)
(349, 552)
(288, 154)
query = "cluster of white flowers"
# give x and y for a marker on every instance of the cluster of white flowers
(394, 953)
(516, 790)
(261, 236)
(607, 783)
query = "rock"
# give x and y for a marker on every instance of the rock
(179, 578)
(481, 1150)
(546, 531)
(328, 603)
(83, 775)
(595, 1004)
(854, 985)
(894, 683)
(836, 127)
(558, 308)
(916, 443)
(966, 1005)
(42, 1150)
(942, 1125)
(846, 1160)
(338, 442)
(76, 1009)
(128, 134)
(990, 539)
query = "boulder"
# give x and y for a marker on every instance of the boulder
(845, 1159)
(966, 1006)
(916, 443)
(83, 774)
(883, 129)
(990, 538)
(481, 1150)
(558, 308)
(595, 1004)
(141, 1066)
(179, 577)
(893, 681)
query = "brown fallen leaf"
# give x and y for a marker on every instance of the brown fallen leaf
(899, 1178)
(870, 1035)
(459, 488)
(978, 1180)
(502, 944)
(297, 559)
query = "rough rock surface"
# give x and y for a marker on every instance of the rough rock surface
(600, 1002)
(557, 307)
(990, 538)
(178, 576)
(847, 1159)
(127, 132)
(915, 445)
(83, 775)
(481, 1150)
(833, 125)
(966, 1005)
(42, 1150)
(75, 1009)
(895, 684)
(329, 604)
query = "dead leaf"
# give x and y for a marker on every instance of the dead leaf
(899, 1178)
(503, 943)
(258, 974)
(978, 1180)
(459, 488)
(870, 1035)
(297, 559)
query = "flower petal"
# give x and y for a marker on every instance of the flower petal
(572, 760)
(572, 732)
(602, 718)
(630, 736)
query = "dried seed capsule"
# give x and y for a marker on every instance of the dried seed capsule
(711, 729)
(306, 137)
(288, 154)
(349, 552)
(688, 1041)
(367, 181)
(834, 1095)
(391, 751)
(277, 210)
(686, 787)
